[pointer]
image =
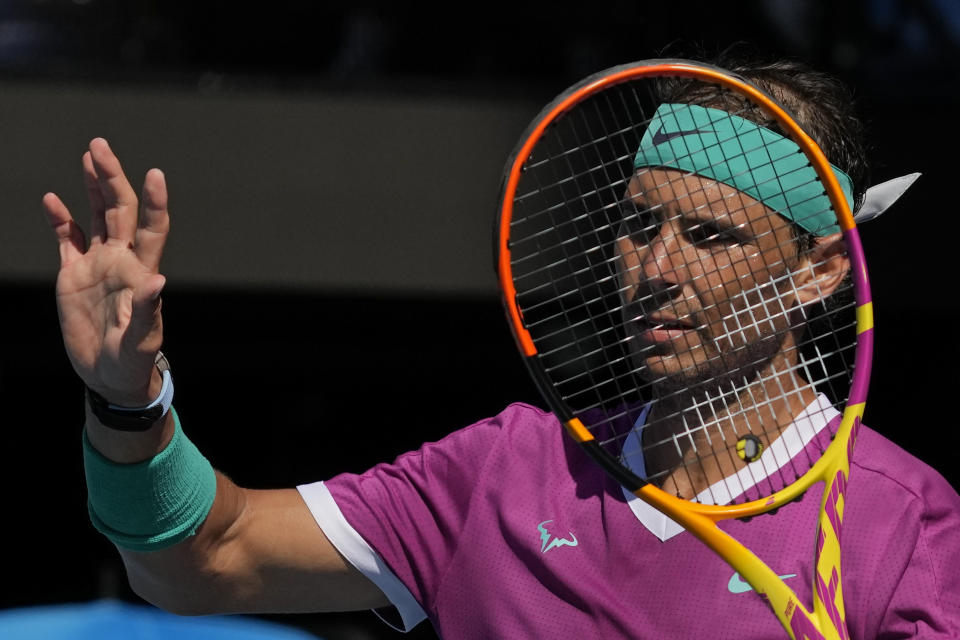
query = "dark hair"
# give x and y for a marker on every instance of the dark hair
(819, 103)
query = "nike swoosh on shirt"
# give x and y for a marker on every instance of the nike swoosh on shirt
(739, 585)
(662, 136)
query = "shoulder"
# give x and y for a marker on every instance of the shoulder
(879, 466)
(518, 425)
(519, 430)
(905, 523)
(521, 415)
(907, 513)
(521, 422)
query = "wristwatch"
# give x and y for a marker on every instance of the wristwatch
(135, 418)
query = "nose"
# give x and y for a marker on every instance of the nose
(662, 259)
(654, 266)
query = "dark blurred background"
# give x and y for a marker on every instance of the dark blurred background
(334, 170)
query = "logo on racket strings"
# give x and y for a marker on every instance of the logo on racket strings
(549, 541)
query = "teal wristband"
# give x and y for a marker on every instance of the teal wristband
(153, 504)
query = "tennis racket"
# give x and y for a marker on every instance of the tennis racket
(684, 278)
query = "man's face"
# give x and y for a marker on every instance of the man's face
(704, 278)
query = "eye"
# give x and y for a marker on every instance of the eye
(639, 223)
(708, 233)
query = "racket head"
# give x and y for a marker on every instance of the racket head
(573, 206)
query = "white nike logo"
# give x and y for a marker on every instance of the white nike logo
(739, 585)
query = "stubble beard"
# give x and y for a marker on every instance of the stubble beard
(718, 374)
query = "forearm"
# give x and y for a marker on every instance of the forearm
(194, 576)
(259, 551)
(166, 566)
(253, 551)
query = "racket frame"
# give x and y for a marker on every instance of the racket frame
(827, 619)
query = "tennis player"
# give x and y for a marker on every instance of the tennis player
(502, 529)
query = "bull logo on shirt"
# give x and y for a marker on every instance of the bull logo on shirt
(549, 541)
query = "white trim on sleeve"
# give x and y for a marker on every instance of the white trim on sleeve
(360, 554)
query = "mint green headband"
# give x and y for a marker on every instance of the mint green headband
(729, 149)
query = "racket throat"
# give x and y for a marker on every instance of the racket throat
(693, 441)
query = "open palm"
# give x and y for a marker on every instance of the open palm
(108, 291)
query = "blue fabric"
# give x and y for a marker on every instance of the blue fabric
(109, 619)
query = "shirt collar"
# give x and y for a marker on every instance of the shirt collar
(792, 440)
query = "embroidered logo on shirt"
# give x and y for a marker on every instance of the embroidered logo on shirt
(549, 541)
(739, 585)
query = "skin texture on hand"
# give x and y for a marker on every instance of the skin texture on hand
(108, 294)
(108, 287)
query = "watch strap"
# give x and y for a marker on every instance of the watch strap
(135, 418)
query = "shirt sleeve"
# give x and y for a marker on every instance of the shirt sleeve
(400, 523)
(926, 600)
(355, 549)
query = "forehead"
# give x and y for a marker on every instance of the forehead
(694, 196)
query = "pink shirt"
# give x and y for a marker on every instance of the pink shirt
(505, 529)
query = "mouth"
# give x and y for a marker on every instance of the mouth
(665, 322)
(657, 328)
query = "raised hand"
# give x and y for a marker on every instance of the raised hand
(108, 291)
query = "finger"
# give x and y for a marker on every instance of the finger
(98, 227)
(145, 319)
(69, 235)
(119, 198)
(154, 220)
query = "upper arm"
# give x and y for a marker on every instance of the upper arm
(257, 551)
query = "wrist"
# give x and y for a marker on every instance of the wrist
(133, 399)
(152, 504)
(135, 418)
(131, 434)
(128, 447)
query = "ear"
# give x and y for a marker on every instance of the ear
(821, 270)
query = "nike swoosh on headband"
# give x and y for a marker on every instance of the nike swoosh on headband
(662, 136)
(744, 155)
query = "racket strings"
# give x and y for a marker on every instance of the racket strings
(562, 366)
(603, 247)
(713, 415)
(701, 464)
(566, 302)
(616, 161)
(601, 180)
(582, 297)
(547, 334)
(555, 354)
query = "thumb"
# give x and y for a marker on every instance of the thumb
(145, 308)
